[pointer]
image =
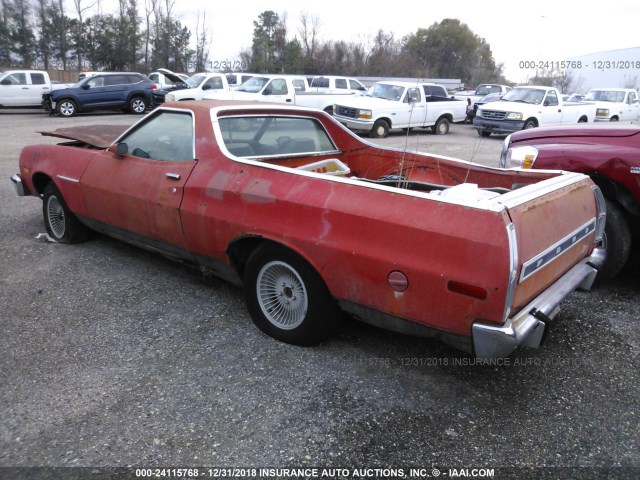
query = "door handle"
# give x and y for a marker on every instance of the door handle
(288, 99)
(173, 176)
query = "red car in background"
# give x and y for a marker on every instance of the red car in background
(610, 155)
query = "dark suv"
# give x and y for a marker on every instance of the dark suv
(130, 92)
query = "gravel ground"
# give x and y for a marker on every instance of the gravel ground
(114, 357)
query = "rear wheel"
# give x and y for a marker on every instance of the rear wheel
(67, 108)
(62, 225)
(137, 105)
(287, 298)
(441, 127)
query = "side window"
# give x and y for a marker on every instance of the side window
(112, 80)
(341, 83)
(154, 77)
(214, 83)
(298, 85)
(94, 82)
(167, 136)
(15, 79)
(413, 95)
(552, 98)
(632, 98)
(277, 86)
(356, 85)
(37, 79)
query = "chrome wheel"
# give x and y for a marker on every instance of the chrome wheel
(282, 295)
(138, 105)
(67, 108)
(55, 217)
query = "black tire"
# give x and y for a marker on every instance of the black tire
(380, 129)
(137, 105)
(614, 119)
(329, 110)
(62, 225)
(483, 133)
(529, 124)
(583, 120)
(441, 127)
(617, 242)
(67, 108)
(286, 298)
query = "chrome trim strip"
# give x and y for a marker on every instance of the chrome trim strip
(68, 179)
(513, 270)
(547, 256)
(601, 205)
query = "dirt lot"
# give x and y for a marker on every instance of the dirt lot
(113, 357)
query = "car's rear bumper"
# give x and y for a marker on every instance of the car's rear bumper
(527, 327)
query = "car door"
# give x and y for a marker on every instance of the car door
(551, 112)
(138, 194)
(407, 116)
(631, 108)
(15, 90)
(277, 91)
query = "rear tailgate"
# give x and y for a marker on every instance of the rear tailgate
(555, 224)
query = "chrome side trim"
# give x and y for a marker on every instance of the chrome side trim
(526, 328)
(601, 205)
(513, 270)
(68, 179)
(556, 250)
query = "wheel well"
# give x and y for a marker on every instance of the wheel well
(241, 249)
(40, 181)
(619, 194)
(583, 119)
(532, 119)
(448, 116)
(388, 120)
(614, 118)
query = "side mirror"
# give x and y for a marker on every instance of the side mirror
(86, 86)
(120, 149)
(206, 87)
(6, 81)
(267, 91)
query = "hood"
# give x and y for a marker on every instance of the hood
(170, 75)
(506, 106)
(100, 136)
(577, 131)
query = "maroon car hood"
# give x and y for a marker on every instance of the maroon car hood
(601, 130)
(100, 136)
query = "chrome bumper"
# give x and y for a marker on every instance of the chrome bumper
(17, 182)
(525, 329)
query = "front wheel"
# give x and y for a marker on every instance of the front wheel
(67, 108)
(380, 129)
(529, 124)
(62, 225)
(287, 299)
(137, 105)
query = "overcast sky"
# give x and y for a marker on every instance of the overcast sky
(547, 30)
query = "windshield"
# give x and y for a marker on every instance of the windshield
(605, 96)
(253, 85)
(386, 91)
(195, 81)
(533, 96)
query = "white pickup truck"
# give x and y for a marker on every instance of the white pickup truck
(200, 84)
(530, 107)
(614, 104)
(290, 89)
(335, 84)
(406, 105)
(24, 88)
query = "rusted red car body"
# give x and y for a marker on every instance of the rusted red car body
(427, 245)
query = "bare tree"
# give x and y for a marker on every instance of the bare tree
(203, 44)
(309, 32)
(79, 34)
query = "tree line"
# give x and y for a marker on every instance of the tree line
(43, 34)
(142, 35)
